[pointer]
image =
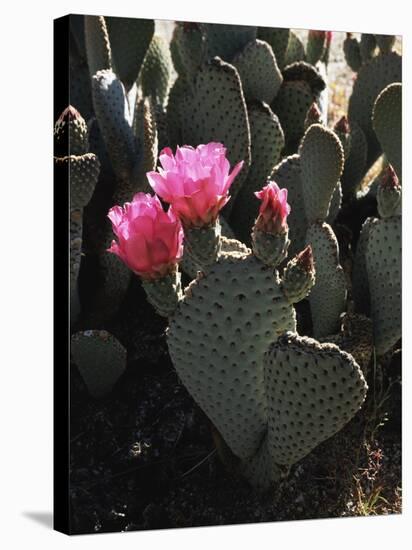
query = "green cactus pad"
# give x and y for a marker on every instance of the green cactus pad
(101, 360)
(216, 111)
(295, 50)
(351, 49)
(315, 47)
(217, 339)
(373, 77)
(291, 105)
(387, 123)
(321, 163)
(383, 263)
(99, 55)
(188, 48)
(144, 128)
(173, 113)
(226, 40)
(70, 134)
(355, 165)
(156, 72)
(360, 283)
(129, 40)
(258, 70)
(267, 142)
(367, 47)
(278, 39)
(83, 172)
(287, 174)
(328, 296)
(385, 42)
(313, 390)
(112, 113)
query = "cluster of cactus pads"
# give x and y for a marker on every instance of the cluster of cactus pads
(271, 323)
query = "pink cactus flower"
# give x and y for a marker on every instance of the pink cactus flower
(195, 182)
(274, 209)
(149, 240)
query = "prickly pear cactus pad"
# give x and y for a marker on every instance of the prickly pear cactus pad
(327, 298)
(204, 119)
(267, 140)
(129, 40)
(258, 70)
(383, 263)
(373, 77)
(217, 339)
(319, 146)
(313, 391)
(112, 112)
(99, 54)
(387, 123)
(287, 173)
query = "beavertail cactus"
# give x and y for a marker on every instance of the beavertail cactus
(225, 327)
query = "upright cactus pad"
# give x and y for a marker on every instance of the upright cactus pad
(217, 339)
(287, 175)
(295, 50)
(129, 40)
(156, 72)
(83, 172)
(387, 123)
(320, 147)
(367, 46)
(360, 283)
(328, 296)
(112, 112)
(383, 263)
(206, 119)
(313, 391)
(373, 77)
(351, 49)
(188, 48)
(267, 142)
(258, 70)
(99, 54)
(291, 105)
(101, 360)
(278, 39)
